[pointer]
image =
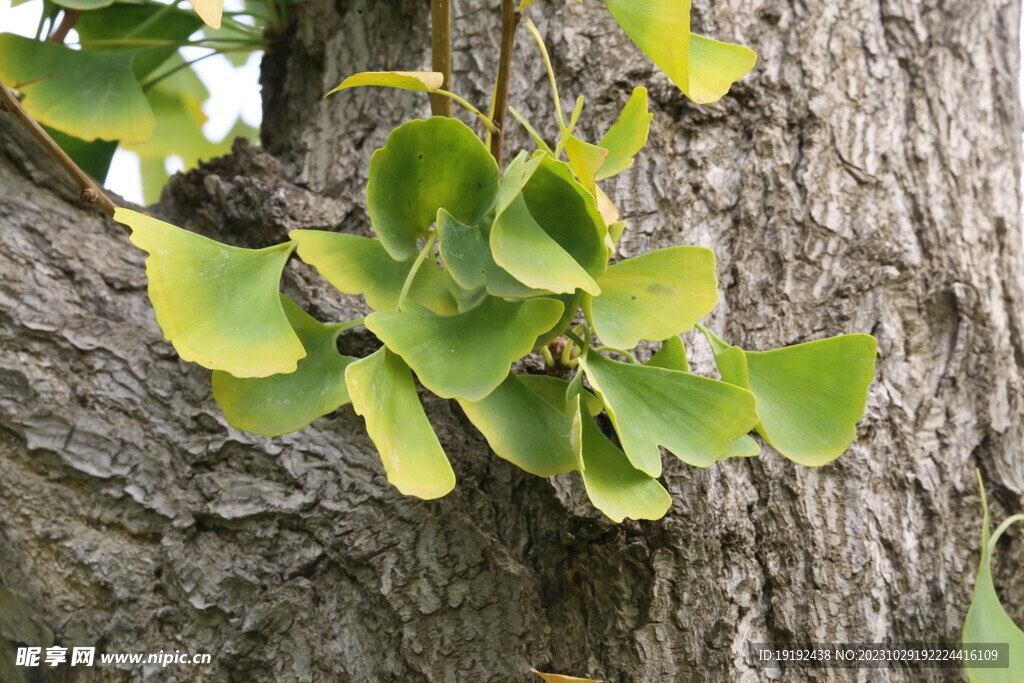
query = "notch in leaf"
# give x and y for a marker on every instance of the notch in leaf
(987, 620)
(466, 355)
(809, 396)
(279, 404)
(426, 165)
(695, 418)
(704, 69)
(654, 296)
(383, 392)
(220, 306)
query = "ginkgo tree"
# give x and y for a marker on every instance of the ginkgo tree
(472, 266)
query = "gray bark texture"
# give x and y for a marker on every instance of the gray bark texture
(865, 178)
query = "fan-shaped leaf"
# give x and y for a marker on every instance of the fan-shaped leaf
(586, 160)
(613, 485)
(696, 418)
(280, 404)
(704, 69)
(524, 429)
(419, 81)
(654, 296)
(360, 265)
(218, 305)
(987, 621)
(85, 94)
(466, 355)
(627, 136)
(809, 396)
(103, 30)
(715, 66)
(383, 392)
(437, 163)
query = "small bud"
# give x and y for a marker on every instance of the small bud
(89, 195)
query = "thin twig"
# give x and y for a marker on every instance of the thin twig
(67, 22)
(91, 192)
(509, 22)
(441, 46)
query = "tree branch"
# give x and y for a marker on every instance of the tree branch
(91, 192)
(441, 46)
(509, 22)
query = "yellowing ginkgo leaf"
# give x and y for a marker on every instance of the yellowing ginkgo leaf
(586, 160)
(704, 69)
(220, 306)
(209, 11)
(382, 391)
(715, 66)
(419, 81)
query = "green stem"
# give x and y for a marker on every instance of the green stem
(155, 43)
(575, 338)
(627, 354)
(574, 118)
(509, 22)
(1000, 529)
(531, 130)
(346, 326)
(153, 81)
(441, 51)
(487, 121)
(153, 18)
(549, 360)
(551, 73)
(427, 248)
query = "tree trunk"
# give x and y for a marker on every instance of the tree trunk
(865, 178)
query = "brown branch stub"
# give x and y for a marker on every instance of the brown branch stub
(67, 22)
(441, 48)
(91, 192)
(510, 19)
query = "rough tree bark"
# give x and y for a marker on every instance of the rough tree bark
(864, 179)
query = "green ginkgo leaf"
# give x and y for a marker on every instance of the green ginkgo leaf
(466, 252)
(702, 68)
(84, 4)
(695, 418)
(426, 165)
(466, 355)
(210, 11)
(57, 80)
(654, 296)
(809, 396)
(419, 81)
(671, 356)
(613, 485)
(279, 404)
(383, 392)
(627, 136)
(220, 306)
(360, 265)
(987, 620)
(525, 250)
(524, 429)
(551, 235)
